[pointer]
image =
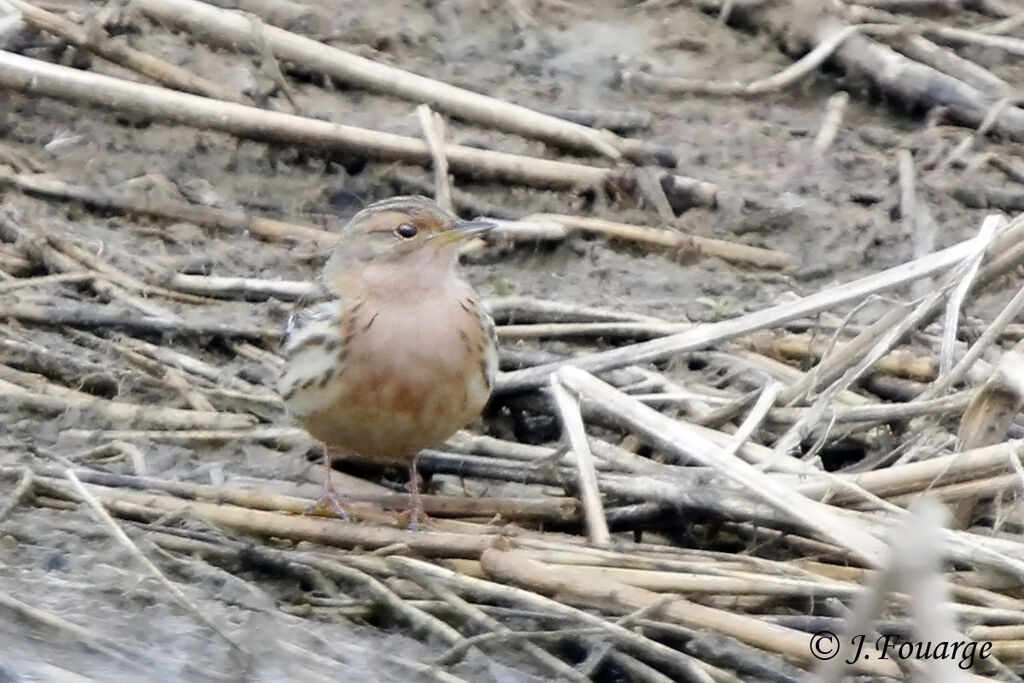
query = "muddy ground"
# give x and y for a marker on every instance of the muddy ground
(839, 218)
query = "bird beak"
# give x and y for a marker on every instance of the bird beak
(463, 230)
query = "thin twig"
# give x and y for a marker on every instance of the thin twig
(989, 229)
(122, 538)
(784, 79)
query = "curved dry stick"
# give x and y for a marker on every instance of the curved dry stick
(789, 76)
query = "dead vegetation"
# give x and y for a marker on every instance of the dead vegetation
(648, 498)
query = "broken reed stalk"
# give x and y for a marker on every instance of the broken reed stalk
(572, 424)
(659, 428)
(221, 219)
(549, 509)
(706, 335)
(117, 51)
(732, 252)
(236, 31)
(35, 77)
(117, 413)
(510, 566)
(125, 542)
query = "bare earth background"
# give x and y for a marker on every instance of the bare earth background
(839, 218)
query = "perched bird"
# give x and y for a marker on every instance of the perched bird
(395, 352)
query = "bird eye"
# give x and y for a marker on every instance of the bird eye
(406, 231)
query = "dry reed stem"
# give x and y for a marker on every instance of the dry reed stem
(36, 77)
(194, 436)
(421, 622)
(959, 36)
(765, 402)
(432, 126)
(118, 413)
(833, 359)
(659, 429)
(21, 490)
(995, 404)
(907, 80)
(572, 424)
(557, 510)
(299, 528)
(81, 634)
(210, 217)
(117, 51)
(681, 665)
(922, 50)
(786, 78)
(989, 229)
(241, 287)
(45, 280)
(124, 541)
(571, 585)
(854, 370)
(727, 251)
(779, 314)
(525, 309)
(89, 316)
(235, 31)
(835, 107)
(35, 243)
(1009, 313)
(917, 476)
(16, 380)
(412, 569)
(117, 275)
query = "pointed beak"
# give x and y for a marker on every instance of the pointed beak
(462, 230)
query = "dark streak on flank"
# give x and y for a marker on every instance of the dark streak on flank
(346, 341)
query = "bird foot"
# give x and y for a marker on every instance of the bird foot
(414, 517)
(329, 505)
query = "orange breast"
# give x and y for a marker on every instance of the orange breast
(408, 383)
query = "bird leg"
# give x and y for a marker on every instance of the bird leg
(329, 504)
(414, 516)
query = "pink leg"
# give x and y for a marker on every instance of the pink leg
(329, 504)
(414, 516)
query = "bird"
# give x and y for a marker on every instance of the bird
(394, 351)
